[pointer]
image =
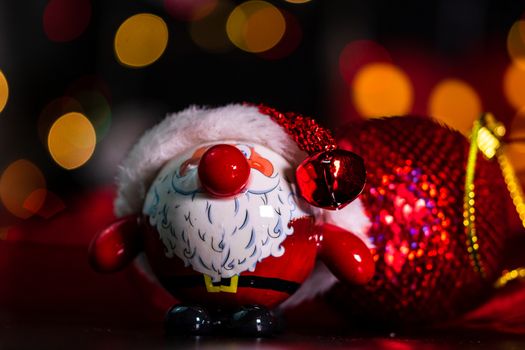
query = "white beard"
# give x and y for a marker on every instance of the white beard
(222, 237)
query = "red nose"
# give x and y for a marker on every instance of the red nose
(223, 171)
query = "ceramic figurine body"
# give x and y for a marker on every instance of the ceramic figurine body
(225, 231)
(229, 251)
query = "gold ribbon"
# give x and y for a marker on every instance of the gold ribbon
(469, 211)
(487, 134)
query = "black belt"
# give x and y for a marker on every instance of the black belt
(258, 282)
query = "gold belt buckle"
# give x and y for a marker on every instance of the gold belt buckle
(232, 288)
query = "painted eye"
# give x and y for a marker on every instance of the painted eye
(245, 150)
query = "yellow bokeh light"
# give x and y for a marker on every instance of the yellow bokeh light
(141, 40)
(455, 103)
(4, 91)
(382, 89)
(71, 140)
(18, 184)
(255, 26)
(516, 43)
(514, 86)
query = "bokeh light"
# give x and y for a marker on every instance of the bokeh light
(44, 203)
(4, 91)
(455, 103)
(290, 41)
(209, 33)
(359, 53)
(382, 89)
(189, 10)
(141, 40)
(4, 231)
(516, 150)
(35, 200)
(65, 20)
(18, 185)
(71, 140)
(298, 1)
(514, 86)
(255, 26)
(516, 43)
(516, 130)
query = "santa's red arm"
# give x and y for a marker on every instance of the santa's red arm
(346, 255)
(116, 246)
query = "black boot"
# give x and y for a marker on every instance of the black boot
(187, 320)
(254, 321)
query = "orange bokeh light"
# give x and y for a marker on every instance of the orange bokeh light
(516, 150)
(141, 40)
(4, 91)
(71, 140)
(20, 188)
(382, 89)
(514, 86)
(455, 103)
(516, 43)
(264, 29)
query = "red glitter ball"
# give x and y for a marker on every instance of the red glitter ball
(414, 200)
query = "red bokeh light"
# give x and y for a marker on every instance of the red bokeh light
(189, 10)
(65, 20)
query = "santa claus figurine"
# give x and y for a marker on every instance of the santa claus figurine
(225, 204)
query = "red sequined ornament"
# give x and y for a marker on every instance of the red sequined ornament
(414, 200)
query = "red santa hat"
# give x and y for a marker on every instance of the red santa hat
(300, 140)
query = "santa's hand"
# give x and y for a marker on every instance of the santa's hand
(347, 256)
(115, 247)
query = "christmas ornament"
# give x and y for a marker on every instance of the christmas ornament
(211, 198)
(437, 221)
